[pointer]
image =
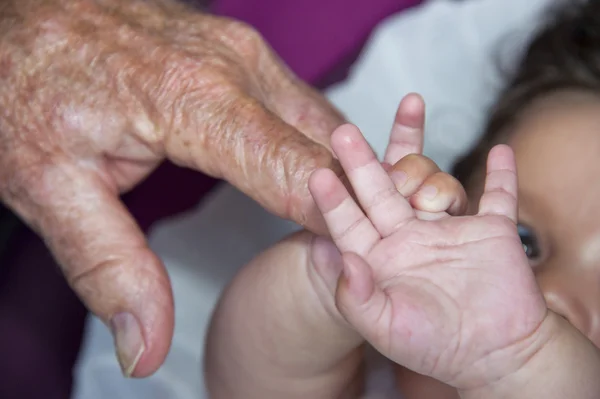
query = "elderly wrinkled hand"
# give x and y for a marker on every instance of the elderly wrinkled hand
(95, 94)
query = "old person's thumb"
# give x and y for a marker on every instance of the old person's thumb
(106, 260)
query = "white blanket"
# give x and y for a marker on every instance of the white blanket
(445, 50)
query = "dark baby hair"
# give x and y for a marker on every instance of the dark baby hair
(564, 54)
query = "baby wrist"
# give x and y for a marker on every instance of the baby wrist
(560, 363)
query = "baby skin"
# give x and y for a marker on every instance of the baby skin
(556, 148)
(451, 299)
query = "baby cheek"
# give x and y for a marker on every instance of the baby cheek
(572, 292)
(589, 253)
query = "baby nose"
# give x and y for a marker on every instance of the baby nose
(575, 297)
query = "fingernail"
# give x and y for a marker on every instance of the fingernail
(129, 342)
(399, 178)
(428, 192)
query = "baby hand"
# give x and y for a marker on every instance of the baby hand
(431, 192)
(452, 298)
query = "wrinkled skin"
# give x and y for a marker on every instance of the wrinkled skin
(95, 94)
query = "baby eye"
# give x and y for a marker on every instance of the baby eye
(529, 240)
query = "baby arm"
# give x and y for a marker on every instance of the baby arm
(566, 365)
(273, 337)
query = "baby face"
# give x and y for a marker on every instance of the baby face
(557, 150)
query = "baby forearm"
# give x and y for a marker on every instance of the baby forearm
(568, 366)
(271, 337)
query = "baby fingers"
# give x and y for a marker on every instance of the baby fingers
(441, 192)
(429, 189)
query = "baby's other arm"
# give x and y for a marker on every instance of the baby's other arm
(274, 336)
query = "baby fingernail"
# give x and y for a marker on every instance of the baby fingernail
(428, 192)
(129, 342)
(399, 178)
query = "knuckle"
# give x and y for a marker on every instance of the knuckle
(300, 161)
(381, 197)
(500, 193)
(246, 42)
(103, 282)
(243, 35)
(296, 164)
(501, 175)
(350, 229)
(446, 182)
(212, 77)
(416, 166)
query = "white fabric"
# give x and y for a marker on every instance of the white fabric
(445, 50)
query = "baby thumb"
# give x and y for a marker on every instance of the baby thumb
(358, 298)
(106, 260)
